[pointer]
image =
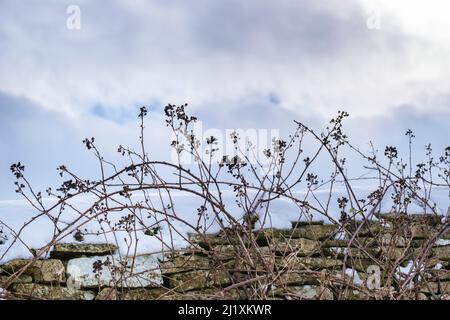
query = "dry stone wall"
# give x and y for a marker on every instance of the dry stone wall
(308, 261)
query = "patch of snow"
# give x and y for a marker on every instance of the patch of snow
(438, 266)
(353, 274)
(142, 271)
(408, 272)
(443, 242)
(339, 235)
(15, 213)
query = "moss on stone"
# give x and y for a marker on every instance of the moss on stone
(42, 271)
(48, 292)
(75, 250)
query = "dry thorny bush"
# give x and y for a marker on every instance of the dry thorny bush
(256, 271)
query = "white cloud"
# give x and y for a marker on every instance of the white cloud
(316, 57)
(226, 58)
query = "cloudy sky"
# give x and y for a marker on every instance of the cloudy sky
(238, 63)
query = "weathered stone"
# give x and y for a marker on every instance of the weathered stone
(301, 247)
(298, 278)
(357, 242)
(39, 291)
(167, 294)
(76, 250)
(363, 253)
(446, 235)
(211, 240)
(139, 294)
(298, 224)
(140, 271)
(181, 263)
(42, 271)
(23, 278)
(393, 240)
(397, 254)
(359, 265)
(366, 229)
(222, 257)
(312, 232)
(430, 287)
(107, 294)
(350, 294)
(325, 276)
(386, 240)
(211, 294)
(437, 275)
(442, 252)
(411, 229)
(202, 279)
(253, 264)
(164, 294)
(429, 219)
(445, 264)
(439, 265)
(421, 231)
(336, 243)
(308, 263)
(254, 259)
(421, 296)
(228, 252)
(146, 294)
(444, 287)
(441, 287)
(308, 293)
(300, 260)
(374, 254)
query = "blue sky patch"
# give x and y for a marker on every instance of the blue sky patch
(120, 115)
(274, 99)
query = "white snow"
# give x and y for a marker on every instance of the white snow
(14, 214)
(443, 242)
(438, 266)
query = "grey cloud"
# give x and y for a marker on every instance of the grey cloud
(390, 129)
(33, 136)
(44, 140)
(284, 29)
(199, 51)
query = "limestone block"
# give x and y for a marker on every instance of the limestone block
(39, 291)
(201, 279)
(42, 271)
(141, 271)
(76, 250)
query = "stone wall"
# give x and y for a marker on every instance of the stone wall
(309, 261)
